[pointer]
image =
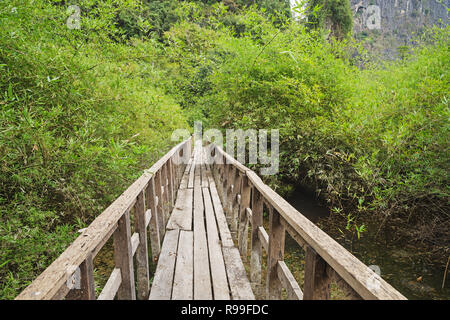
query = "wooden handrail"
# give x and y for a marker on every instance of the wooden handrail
(54, 282)
(325, 258)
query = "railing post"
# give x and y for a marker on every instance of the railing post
(256, 252)
(170, 185)
(87, 279)
(123, 257)
(159, 206)
(317, 282)
(276, 252)
(234, 204)
(155, 235)
(243, 219)
(143, 284)
(165, 195)
(224, 184)
(229, 193)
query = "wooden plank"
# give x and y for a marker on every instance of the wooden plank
(202, 279)
(181, 217)
(256, 248)
(148, 217)
(170, 185)
(85, 289)
(159, 205)
(228, 204)
(289, 283)
(123, 258)
(218, 272)
(185, 177)
(87, 279)
(237, 277)
(225, 234)
(165, 193)
(163, 279)
(243, 218)
(112, 286)
(142, 267)
(274, 254)
(134, 242)
(155, 233)
(234, 205)
(192, 172)
(205, 182)
(317, 282)
(353, 271)
(183, 283)
(264, 238)
(249, 214)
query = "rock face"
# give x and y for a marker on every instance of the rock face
(389, 24)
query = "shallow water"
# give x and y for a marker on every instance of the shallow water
(401, 266)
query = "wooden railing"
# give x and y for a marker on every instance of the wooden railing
(244, 196)
(148, 203)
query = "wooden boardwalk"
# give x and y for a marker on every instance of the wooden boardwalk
(198, 258)
(201, 222)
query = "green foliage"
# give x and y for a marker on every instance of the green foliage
(334, 16)
(372, 141)
(80, 118)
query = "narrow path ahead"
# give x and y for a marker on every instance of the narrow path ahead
(198, 258)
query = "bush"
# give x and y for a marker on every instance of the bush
(80, 118)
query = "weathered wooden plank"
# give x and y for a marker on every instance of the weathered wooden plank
(234, 205)
(243, 218)
(205, 182)
(159, 205)
(288, 281)
(202, 279)
(112, 286)
(192, 172)
(256, 248)
(155, 233)
(181, 217)
(163, 279)
(317, 282)
(165, 194)
(123, 258)
(87, 279)
(170, 185)
(134, 242)
(248, 211)
(183, 283)
(148, 217)
(225, 234)
(264, 238)
(274, 254)
(142, 268)
(185, 177)
(218, 272)
(239, 285)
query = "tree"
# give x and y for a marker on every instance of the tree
(332, 15)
